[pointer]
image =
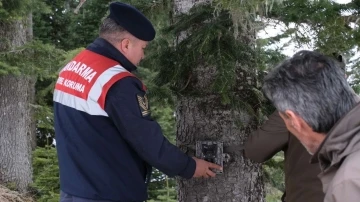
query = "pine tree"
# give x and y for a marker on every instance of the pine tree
(212, 71)
(20, 62)
(16, 94)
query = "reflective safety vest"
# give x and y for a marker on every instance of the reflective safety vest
(84, 82)
(94, 157)
(106, 145)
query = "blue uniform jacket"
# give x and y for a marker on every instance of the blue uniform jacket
(108, 158)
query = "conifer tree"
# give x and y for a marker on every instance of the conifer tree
(20, 62)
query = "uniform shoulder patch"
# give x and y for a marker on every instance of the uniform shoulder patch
(143, 104)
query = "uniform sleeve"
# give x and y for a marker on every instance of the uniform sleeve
(142, 133)
(269, 139)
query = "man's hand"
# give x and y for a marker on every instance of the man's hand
(203, 168)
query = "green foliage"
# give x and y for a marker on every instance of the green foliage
(44, 98)
(32, 58)
(66, 30)
(268, 59)
(46, 174)
(157, 94)
(157, 11)
(16, 9)
(274, 171)
(355, 79)
(162, 188)
(333, 33)
(5, 68)
(46, 179)
(11, 186)
(274, 177)
(210, 41)
(164, 115)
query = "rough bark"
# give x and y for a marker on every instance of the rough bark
(17, 93)
(13, 34)
(202, 117)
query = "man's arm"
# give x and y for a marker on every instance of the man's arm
(143, 134)
(269, 139)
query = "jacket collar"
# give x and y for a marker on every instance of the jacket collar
(104, 48)
(342, 140)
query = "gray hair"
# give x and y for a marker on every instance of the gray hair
(313, 86)
(111, 31)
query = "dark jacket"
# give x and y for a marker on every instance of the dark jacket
(301, 181)
(106, 146)
(339, 159)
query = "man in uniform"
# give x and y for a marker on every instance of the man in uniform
(105, 137)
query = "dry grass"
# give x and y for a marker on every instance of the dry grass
(7, 195)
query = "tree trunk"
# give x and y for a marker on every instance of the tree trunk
(17, 93)
(29, 36)
(203, 117)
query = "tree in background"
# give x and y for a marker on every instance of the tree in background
(67, 30)
(212, 71)
(17, 93)
(23, 62)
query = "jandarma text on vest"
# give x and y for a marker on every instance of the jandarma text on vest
(81, 69)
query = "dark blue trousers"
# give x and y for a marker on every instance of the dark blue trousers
(64, 197)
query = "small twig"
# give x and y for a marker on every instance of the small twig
(12, 51)
(187, 83)
(76, 11)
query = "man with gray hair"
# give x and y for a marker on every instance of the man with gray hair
(320, 109)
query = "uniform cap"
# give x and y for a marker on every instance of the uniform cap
(132, 20)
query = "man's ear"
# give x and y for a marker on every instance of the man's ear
(124, 45)
(292, 119)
